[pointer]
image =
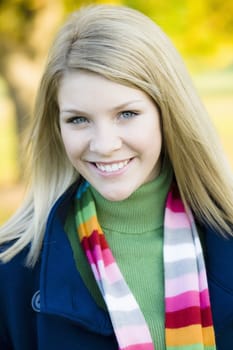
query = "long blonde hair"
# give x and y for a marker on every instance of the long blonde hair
(127, 47)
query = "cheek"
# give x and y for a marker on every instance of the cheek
(155, 136)
(150, 141)
(71, 143)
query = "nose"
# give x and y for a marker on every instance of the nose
(105, 140)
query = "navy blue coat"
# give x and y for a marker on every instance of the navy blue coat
(48, 307)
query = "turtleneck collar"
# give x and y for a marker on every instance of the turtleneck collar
(143, 211)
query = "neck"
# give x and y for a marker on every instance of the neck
(141, 212)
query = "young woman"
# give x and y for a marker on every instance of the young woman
(125, 238)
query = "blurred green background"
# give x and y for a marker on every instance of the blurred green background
(201, 30)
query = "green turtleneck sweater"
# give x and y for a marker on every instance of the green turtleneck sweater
(134, 231)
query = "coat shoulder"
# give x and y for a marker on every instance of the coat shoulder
(219, 258)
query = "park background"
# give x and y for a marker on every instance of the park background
(202, 31)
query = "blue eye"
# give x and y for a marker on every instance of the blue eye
(77, 120)
(128, 114)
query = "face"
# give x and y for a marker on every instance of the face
(111, 133)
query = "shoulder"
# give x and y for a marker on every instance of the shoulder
(58, 211)
(18, 284)
(219, 258)
(16, 268)
(15, 274)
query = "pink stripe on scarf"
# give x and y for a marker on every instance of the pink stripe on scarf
(145, 346)
(186, 300)
(180, 221)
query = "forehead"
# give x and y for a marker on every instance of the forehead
(86, 89)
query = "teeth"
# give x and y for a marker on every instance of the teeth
(109, 168)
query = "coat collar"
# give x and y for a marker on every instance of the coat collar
(62, 290)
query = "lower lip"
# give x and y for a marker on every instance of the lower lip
(112, 173)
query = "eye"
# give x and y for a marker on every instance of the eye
(128, 114)
(77, 120)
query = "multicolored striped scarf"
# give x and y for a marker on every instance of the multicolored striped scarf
(188, 320)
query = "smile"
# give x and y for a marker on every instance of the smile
(109, 168)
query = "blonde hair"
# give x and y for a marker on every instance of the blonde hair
(127, 47)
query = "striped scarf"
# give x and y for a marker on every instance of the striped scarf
(188, 320)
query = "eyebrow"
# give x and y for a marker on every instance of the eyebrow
(118, 107)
